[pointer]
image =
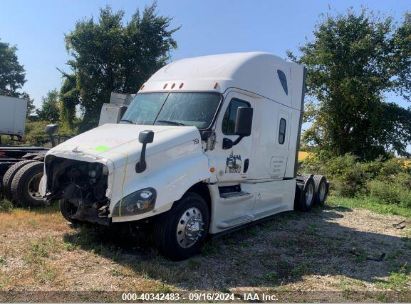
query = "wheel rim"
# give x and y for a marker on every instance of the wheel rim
(309, 193)
(33, 186)
(190, 227)
(322, 192)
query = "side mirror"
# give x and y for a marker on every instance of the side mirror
(145, 137)
(244, 121)
(243, 126)
(50, 130)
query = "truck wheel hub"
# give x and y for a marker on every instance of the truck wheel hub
(309, 194)
(33, 186)
(190, 227)
(322, 192)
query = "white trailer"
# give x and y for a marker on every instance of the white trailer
(12, 116)
(207, 145)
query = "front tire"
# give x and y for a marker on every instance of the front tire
(181, 232)
(67, 210)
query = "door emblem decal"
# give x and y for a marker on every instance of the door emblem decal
(233, 163)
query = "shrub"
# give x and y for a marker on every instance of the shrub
(391, 191)
(346, 174)
(388, 180)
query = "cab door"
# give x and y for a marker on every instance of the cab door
(231, 165)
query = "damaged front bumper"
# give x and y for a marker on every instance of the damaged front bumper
(82, 184)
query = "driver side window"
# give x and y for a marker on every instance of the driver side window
(231, 115)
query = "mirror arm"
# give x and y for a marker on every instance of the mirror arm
(141, 165)
(52, 140)
(228, 143)
(238, 140)
(145, 137)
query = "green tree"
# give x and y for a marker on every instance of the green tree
(69, 95)
(402, 57)
(50, 108)
(12, 75)
(110, 55)
(352, 62)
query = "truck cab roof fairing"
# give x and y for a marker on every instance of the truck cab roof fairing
(220, 72)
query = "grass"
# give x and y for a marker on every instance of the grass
(5, 205)
(370, 204)
(293, 251)
(397, 280)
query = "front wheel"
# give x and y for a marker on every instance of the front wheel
(67, 210)
(181, 232)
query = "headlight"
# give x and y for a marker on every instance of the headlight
(136, 203)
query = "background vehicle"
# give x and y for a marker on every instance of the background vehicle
(207, 145)
(12, 116)
(21, 167)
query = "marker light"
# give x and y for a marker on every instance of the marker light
(181, 85)
(165, 86)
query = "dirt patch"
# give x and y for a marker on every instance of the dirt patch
(331, 251)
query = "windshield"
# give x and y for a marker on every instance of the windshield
(185, 109)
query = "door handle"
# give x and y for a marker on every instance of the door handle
(246, 164)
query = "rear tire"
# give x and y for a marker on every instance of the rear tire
(321, 189)
(306, 200)
(9, 175)
(180, 233)
(25, 185)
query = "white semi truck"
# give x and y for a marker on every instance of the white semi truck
(207, 145)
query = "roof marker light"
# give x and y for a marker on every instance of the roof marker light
(216, 85)
(142, 87)
(173, 85)
(165, 86)
(181, 85)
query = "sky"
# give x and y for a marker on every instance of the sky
(37, 28)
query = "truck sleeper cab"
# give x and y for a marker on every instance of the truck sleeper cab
(208, 144)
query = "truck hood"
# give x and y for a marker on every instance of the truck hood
(119, 143)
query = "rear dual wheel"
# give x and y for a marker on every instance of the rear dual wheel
(9, 175)
(321, 189)
(305, 194)
(25, 185)
(311, 190)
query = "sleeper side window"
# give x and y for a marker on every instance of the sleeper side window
(281, 131)
(283, 80)
(231, 115)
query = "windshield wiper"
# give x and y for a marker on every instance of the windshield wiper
(175, 123)
(126, 120)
